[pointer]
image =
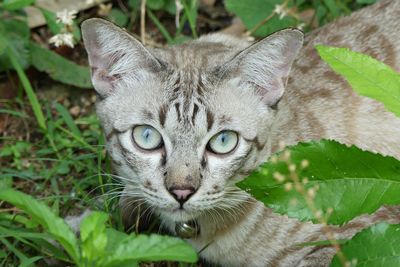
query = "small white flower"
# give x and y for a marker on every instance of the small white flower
(281, 10)
(66, 17)
(62, 39)
(92, 2)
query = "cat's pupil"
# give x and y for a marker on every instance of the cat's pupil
(147, 133)
(223, 138)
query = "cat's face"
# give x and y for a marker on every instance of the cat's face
(185, 123)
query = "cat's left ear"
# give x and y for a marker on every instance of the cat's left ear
(265, 65)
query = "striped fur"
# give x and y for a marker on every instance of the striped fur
(192, 91)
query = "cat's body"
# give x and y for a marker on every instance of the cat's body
(192, 92)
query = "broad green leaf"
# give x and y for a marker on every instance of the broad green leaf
(15, 34)
(42, 214)
(374, 247)
(368, 77)
(59, 68)
(118, 17)
(150, 248)
(113, 238)
(351, 182)
(252, 12)
(93, 236)
(15, 4)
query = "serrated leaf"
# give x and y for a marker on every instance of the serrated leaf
(252, 12)
(42, 214)
(351, 181)
(16, 4)
(150, 248)
(59, 68)
(367, 76)
(374, 247)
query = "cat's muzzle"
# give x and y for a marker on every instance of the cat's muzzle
(187, 230)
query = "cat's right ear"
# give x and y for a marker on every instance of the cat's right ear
(114, 55)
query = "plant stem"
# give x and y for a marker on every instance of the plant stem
(143, 22)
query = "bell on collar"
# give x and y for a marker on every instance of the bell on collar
(187, 230)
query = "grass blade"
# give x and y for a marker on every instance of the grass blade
(68, 120)
(161, 27)
(28, 89)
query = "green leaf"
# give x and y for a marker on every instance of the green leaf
(113, 238)
(118, 17)
(150, 248)
(252, 12)
(42, 214)
(15, 34)
(51, 20)
(16, 4)
(374, 247)
(155, 4)
(59, 68)
(332, 7)
(368, 77)
(93, 236)
(351, 181)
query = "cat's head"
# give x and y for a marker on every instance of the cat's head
(184, 123)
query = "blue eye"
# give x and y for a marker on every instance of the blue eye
(223, 142)
(146, 137)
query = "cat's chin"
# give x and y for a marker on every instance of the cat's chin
(179, 215)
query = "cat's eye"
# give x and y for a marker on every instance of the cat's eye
(223, 142)
(146, 137)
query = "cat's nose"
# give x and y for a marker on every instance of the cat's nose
(182, 194)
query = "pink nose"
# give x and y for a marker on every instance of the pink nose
(181, 194)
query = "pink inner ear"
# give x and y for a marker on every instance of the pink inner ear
(270, 93)
(102, 81)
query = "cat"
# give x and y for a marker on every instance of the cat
(184, 123)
